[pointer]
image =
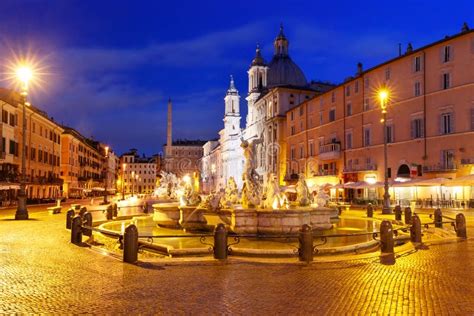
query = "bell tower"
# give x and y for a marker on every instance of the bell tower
(232, 110)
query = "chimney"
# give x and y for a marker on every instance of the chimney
(169, 138)
(409, 48)
(465, 27)
(359, 68)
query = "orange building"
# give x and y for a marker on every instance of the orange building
(337, 137)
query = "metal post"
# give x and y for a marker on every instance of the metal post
(370, 210)
(115, 213)
(220, 242)
(407, 215)
(82, 211)
(130, 244)
(398, 213)
(461, 226)
(69, 215)
(87, 220)
(76, 230)
(387, 255)
(22, 211)
(386, 195)
(109, 212)
(438, 218)
(305, 251)
(415, 229)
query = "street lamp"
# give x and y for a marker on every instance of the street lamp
(24, 75)
(123, 180)
(132, 182)
(106, 178)
(383, 95)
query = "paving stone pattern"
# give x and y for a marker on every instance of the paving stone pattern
(41, 272)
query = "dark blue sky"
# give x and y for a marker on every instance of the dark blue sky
(113, 64)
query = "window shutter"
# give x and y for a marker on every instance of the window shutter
(413, 128)
(451, 52)
(422, 127)
(440, 124)
(452, 122)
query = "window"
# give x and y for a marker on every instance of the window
(356, 86)
(333, 97)
(446, 54)
(301, 111)
(367, 83)
(447, 159)
(301, 126)
(311, 149)
(417, 89)
(389, 133)
(12, 119)
(366, 104)
(387, 74)
(349, 109)
(472, 119)
(332, 115)
(446, 80)
(417, 128)
(320, 118)
(292, 130)
(447, 123)
(292, 153)
(13, 148)
(417, 64)
(301, 151)
(292, 115)
(348, 90)
(4, 116)
(348, 140)
(367, 136)
(4, 144)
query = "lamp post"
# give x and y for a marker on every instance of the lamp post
(24, 75)
(132, 181)
(383, 96)
(123, 180)
(106, 180)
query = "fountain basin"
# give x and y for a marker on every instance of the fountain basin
(167, 214)
(192, 218)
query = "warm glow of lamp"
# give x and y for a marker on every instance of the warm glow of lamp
(187, 179)
(24, 74)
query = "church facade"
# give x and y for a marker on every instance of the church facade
(273, 89)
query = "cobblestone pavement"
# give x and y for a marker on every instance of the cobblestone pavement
(41, 272)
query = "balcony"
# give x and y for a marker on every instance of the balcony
(360, 168)
(440, 168)
(325, 172)
(467, 161)
(330, 151)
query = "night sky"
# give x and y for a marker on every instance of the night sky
(111, 65)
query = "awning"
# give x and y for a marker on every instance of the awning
(466, 180)
(9, 187)
(98, 189)
(433, 182)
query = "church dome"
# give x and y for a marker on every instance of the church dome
(282, 70)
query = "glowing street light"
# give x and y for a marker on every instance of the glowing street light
(24, 74)
(383, 95)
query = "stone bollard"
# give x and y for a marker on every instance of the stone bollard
(438, 218)
(415, 229)
(115, 213)
(69, 215)
(109, 212)
(87, 221)
(398, 213)
(407, 215)
(461, 226)
(82, 211)
(220, 242)
(306, 249)
(387, 255)
(370, 210)
(76, 230)
(130, 244)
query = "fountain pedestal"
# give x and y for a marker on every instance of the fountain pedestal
(192, 218)
(167, 214)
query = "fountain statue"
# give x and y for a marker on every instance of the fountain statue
(188, 196)
(213, 202)
(168, 186)
(231, 194)
(273, 198)
(303, 196)
(251, 188)
(322, 197)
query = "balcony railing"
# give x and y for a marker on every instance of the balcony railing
(330, 151)
(440, 168)
(359, 168)
(325, 172)
(467, 161)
